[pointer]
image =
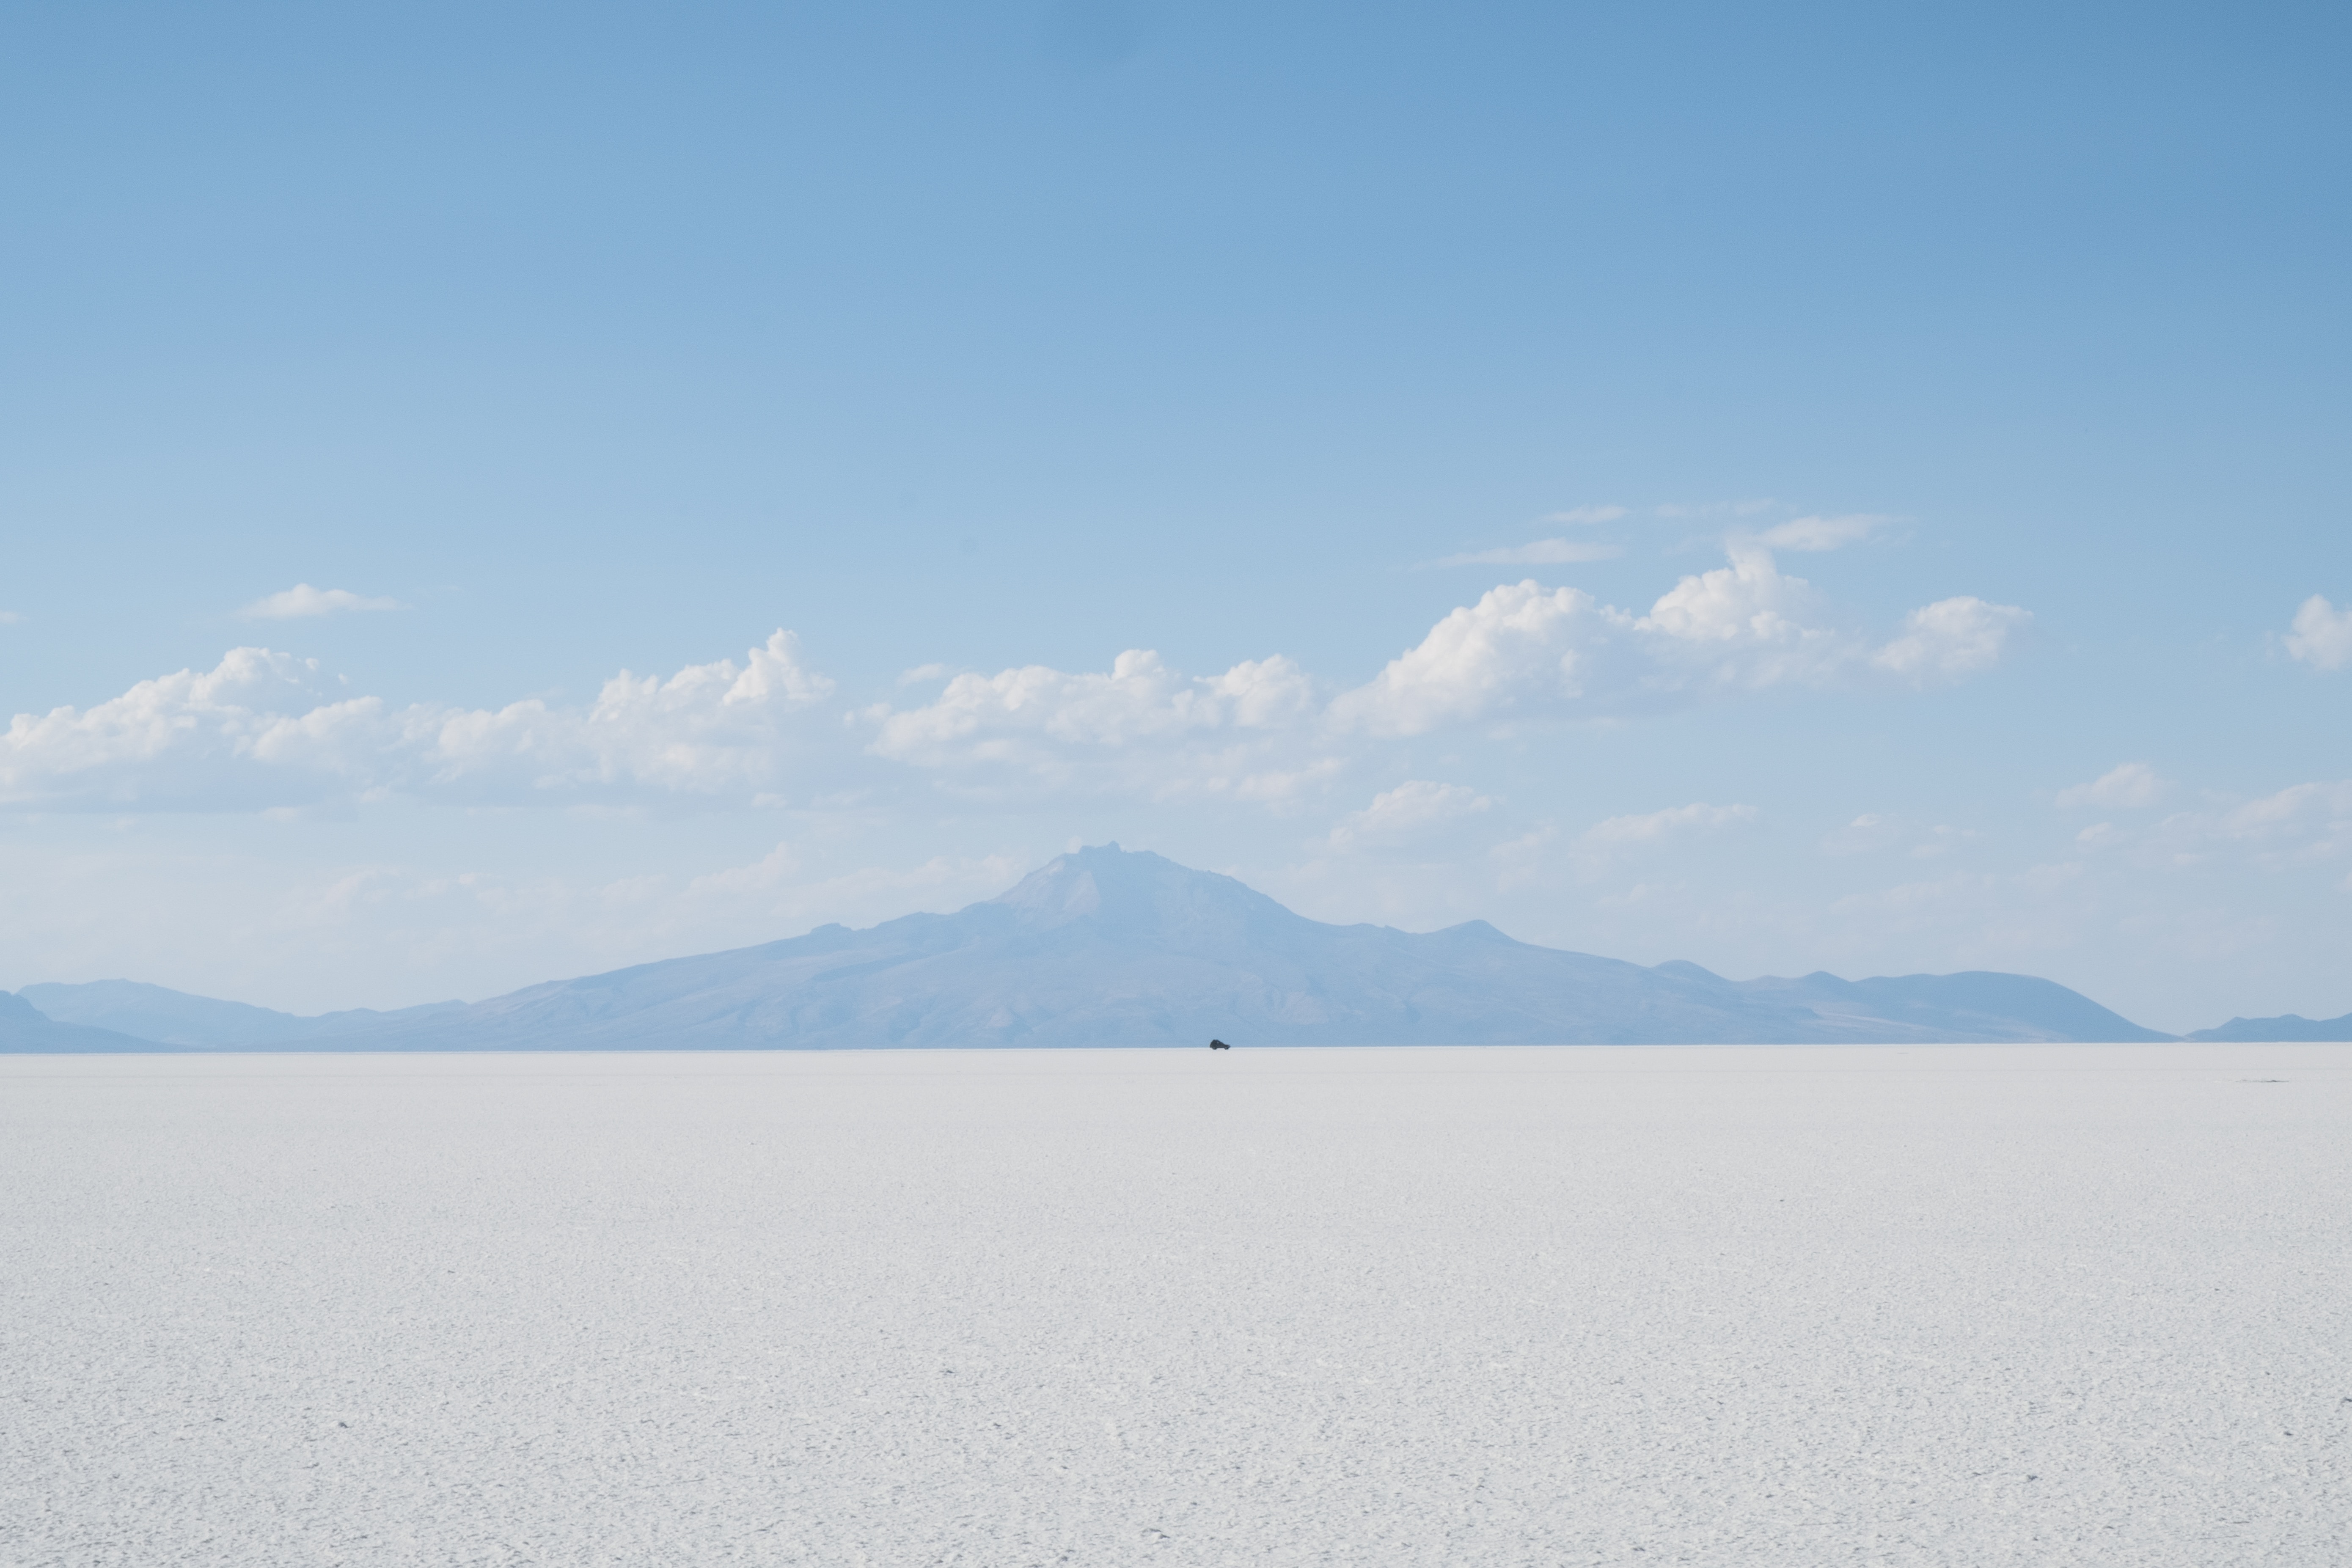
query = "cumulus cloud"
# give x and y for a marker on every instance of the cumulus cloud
(1140, 723)
(1519, 643)
(2322, 636)
(2128, 787)
(207, 723)
(1822, 532)
(1139, 698)
(1523, 649)
(1411, 811)
(260, 730)
(1540, 553)
(302, 600)
(1749, 624)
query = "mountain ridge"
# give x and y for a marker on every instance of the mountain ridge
(2287, 1028)
(1107, 946)
(24, 1030)
(169, 1017)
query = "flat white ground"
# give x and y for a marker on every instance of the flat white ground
(1973, 1305)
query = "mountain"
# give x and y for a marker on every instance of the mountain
(1105, 947)
(2293, 1027)
(175, 1019)
(25, 1027)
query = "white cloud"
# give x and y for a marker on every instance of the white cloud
(1951, 637)
(1141, 698)
(1587, 514)
(1409, 811)
(262, 730)
(9, 618)
(302, 600)
(1526, 649)
(1753, 612)
(1618, 833)
(1540, 553)
(2128, 787)
(1822, 532)
(2322, 636)
(257, 731)
(205, 724)
(1141, 726)
(1517, 643)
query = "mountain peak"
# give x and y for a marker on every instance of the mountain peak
(1133, 891)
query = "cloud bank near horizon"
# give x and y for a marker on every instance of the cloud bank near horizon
(263, 728)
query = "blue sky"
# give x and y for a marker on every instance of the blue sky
(997, 343)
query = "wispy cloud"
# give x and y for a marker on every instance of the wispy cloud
(1540, 553)
(1587, 514)
(302, 600)
(1816, 534)
(1409, 811)
(1618, 833)
(1951, 638)
(2128, 787)
(9, 617)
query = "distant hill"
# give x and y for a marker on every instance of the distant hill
(2289, 1027)
(1105, 947)
(176, 1018)
(25, 1028)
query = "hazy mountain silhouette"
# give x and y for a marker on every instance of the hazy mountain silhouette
(1106, 947)
(2292, 1027)
(25, 1028)
(175, 1019)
